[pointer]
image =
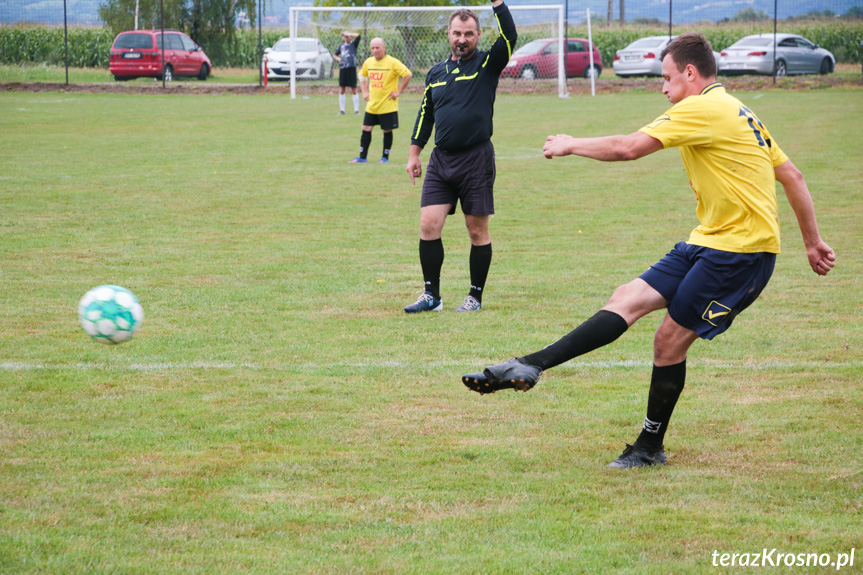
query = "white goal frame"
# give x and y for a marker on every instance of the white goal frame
(294, 13)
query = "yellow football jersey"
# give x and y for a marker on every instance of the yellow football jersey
(729, 157)
(383, 75)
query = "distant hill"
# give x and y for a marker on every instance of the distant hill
(86, 12)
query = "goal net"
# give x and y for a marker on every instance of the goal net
(417, 37)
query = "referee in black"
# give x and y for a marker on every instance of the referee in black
(459, 104)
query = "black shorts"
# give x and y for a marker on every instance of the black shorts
(465, 175)
(707, 288)
(348, 77)
(388, 121)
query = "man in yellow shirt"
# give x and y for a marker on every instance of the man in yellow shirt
(733, 164)
(383, 79)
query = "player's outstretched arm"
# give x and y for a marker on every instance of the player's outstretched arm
(821, 256)
(606, 148)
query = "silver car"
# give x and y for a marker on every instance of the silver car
(641, 58)
(794, 55)
(313, 60)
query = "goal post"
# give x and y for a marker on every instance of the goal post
(417, 35)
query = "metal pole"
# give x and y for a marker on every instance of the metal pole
(670, 3)
(162, 10)
(775, 6)
(590, 51)
(66, 41)
(261, 70)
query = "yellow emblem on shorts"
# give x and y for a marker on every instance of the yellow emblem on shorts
(715, 313)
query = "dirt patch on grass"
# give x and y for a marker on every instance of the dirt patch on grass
(605, 85)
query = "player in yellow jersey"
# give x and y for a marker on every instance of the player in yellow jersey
(733, 164)
(383, 79)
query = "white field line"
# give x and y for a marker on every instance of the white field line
(216, 365)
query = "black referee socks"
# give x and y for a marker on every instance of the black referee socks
(602, 329)
(480, 262)
(666, 385)
(431, 261)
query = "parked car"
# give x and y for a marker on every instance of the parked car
(138, 53)
(794, 55)
(642, 57)
(313, 60)
(539, 59)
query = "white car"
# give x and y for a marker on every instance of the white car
(313, 60)
(641, 58)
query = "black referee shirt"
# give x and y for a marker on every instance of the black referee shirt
(459, 96)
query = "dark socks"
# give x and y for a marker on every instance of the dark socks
(388, 144)
(431, 260)
(365, 142)
(666, 384)
(480, 262)
(601, 329)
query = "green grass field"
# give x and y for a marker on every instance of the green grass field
(279, 413)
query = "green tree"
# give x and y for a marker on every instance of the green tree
(853, 13)
(119, 15)
(750, 15)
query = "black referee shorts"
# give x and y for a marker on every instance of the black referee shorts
(465, 176)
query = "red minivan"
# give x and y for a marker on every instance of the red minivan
(538, 59)
(138, 53)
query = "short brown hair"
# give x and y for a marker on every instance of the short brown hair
(692, 48)
(464, 15)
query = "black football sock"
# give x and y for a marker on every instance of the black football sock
(431, 260)
(666, 384)
(388, 144)
(602, 329)
(480, 262)
(365, 142)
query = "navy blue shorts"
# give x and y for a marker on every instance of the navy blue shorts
(707, 288)
(465, 175)
(388, 121)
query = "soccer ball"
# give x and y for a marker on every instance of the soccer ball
(110, 314)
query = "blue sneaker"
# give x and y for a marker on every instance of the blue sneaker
(426, 302)
(358, 160)
(384, 160)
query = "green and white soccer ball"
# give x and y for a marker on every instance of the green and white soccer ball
(110, 314)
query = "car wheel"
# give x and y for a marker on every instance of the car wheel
(595, 71)
(781, 68)
(204, 73)
(528, 73)
(826, 66)
(123, 78)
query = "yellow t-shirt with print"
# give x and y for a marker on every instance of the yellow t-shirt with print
(730, 158)
(384, 76)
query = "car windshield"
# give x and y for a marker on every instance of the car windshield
(531, 47)
(303, 45)
(754, 42)
(647, 43)
(139, 41)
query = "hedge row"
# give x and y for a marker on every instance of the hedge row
(89, 47)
